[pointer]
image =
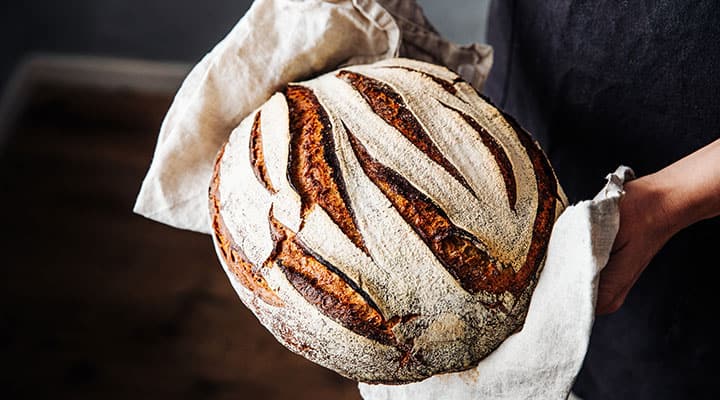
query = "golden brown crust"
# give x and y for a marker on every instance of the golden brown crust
(457, 249)
(325, 287)
(547, 201)
(447, 85)
(233, 256)
(501, 158)
(313, 170)
(390, 106)
(257, 157)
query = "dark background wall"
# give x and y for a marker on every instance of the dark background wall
(168, 30)
(176, 30)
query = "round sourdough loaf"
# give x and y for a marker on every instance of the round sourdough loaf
(384, 220)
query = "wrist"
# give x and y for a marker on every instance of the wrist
(690, 187)
(654, 207)
(674, 200)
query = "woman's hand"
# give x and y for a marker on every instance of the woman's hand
(654, 208)
(644, 229)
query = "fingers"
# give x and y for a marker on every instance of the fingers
(610, 302)
(620, 275)
(611, 293)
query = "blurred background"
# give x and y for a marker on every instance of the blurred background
(97, 302)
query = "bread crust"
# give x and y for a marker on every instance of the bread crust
(381, 234)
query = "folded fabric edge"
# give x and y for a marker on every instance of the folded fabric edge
(186, 207)
(420, 40)
(606, 205)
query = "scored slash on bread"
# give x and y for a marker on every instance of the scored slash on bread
(384, 220)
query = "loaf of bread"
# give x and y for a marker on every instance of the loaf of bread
(384, 220)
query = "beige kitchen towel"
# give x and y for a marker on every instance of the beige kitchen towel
(276, 42)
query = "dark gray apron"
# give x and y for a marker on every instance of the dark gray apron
(602, 83)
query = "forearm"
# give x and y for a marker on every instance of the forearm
(688, 190)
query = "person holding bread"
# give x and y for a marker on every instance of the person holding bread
(390, 223)
(602, 83)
